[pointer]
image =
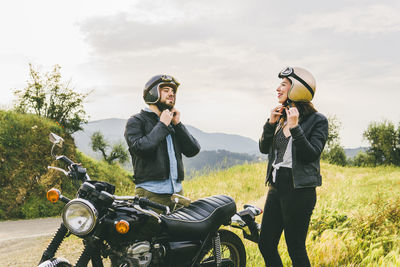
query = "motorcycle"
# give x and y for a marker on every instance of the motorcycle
(130, 233)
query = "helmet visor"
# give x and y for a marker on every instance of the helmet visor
(286, 72)
(169, 79)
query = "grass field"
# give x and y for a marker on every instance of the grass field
(356, 221)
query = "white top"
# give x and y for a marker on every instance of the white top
(287, 159)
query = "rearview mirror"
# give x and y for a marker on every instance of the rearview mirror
(56, 140)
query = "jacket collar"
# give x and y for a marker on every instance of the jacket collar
(154, 117)
(149, 114)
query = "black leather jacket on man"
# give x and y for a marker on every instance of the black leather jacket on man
(309, 139)
(146, 138)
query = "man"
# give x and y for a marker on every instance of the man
(157, 139)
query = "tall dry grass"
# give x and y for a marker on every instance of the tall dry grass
(356, 221)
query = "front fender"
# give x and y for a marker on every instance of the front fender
(55, 262)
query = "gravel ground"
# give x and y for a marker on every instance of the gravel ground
(23, 242)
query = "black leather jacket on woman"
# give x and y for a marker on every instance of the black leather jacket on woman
(309, 139)
(146, 138)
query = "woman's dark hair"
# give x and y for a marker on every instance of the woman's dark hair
(305, 109)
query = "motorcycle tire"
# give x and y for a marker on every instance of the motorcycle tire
(232, 251)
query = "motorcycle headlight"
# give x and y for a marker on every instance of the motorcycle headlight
(79, 216)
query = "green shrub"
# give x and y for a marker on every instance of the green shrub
(39, 207)
(335, 155)
(362, 159)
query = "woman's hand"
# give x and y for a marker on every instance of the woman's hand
(276, 113)
(292, 115)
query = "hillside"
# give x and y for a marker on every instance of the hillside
(207, 161)
(24, 157)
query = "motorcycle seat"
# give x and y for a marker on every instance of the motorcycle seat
(199, 218)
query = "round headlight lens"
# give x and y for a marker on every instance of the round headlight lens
(79, 216)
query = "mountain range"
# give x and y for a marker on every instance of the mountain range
(113, 131)
(218, 150)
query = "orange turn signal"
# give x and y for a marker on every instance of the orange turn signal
(122, 227)
(53, 195)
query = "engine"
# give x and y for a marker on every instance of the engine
(141, 254)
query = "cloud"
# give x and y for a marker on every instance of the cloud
(227, 54)
(373, 19)
(153, 25)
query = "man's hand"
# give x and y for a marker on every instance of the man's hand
(276, 113)
(292, 117)
(176, 116)
(166, 117)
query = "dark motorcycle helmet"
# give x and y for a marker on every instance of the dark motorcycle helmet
(151, 91)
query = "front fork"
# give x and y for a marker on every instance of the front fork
(55, 243)
(91, 251)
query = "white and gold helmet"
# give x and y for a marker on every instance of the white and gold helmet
(303, 84)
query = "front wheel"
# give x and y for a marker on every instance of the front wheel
(233, 253)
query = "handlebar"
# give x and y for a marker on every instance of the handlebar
(256, 210)
(145, 202)
(65, 159)
(75, 170)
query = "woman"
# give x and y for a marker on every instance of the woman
(293, 137)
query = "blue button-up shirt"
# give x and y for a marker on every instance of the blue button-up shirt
(170, 185)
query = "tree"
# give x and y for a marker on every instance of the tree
(333, 132)
(334, 152)
(336, 155)
(362, 159)
(118, 152)
(46, 96)
(384, 143)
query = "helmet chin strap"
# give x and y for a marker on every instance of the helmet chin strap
(289, 103)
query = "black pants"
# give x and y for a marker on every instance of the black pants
(289, 210)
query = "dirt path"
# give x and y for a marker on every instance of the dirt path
(14, 230)
(22, 242)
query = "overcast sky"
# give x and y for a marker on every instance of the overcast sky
(225, 53)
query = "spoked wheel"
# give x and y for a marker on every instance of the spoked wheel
(233, 253)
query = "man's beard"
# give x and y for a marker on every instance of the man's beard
(163, 106)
